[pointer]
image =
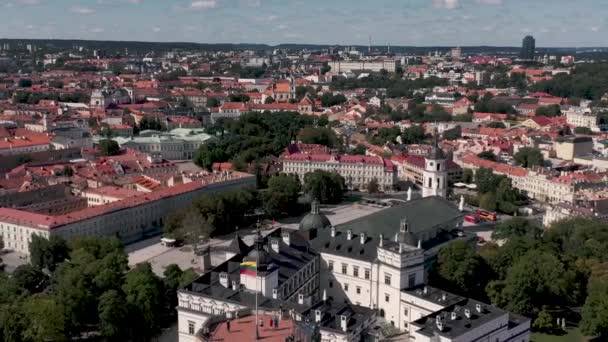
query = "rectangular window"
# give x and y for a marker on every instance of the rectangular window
(330, 265)
(344, 267)
(411, 280)
(387, 278)
(358, 290)
(191, 327)
(355, 271)
(345, 287)
(367, 273)
(387, 297)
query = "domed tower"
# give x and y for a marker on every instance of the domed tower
(435, 174)
(313, 222)
(257, 272)
(405, 236)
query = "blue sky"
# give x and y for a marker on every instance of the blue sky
(396, 22)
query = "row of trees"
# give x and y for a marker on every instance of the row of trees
(543, 276)
(85, 288)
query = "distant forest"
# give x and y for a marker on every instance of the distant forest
(136, 47)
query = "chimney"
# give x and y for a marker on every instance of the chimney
(275, 293)
(349, 235)
(224, 279)
(318, 316)
(333, 231)
(478, 308)
(343, 322)
(381, 238)
(285, 236)
(362, 238)
(300, 299)
(274, 244)
(234, 285)
(324, 295)
(439, 323)
(425, 290)
(467, 313)
(453, 316)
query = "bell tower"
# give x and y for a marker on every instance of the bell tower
(435, 174)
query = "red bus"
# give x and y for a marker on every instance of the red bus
(486, 215)
(471, 218)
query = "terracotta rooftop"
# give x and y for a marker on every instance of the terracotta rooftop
(243, 329)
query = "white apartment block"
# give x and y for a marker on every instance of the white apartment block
(128, 219)
(582, 118)
(389, 65)
(358, 171)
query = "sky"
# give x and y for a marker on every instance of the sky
(554, 23)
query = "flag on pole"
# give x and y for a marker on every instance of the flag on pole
(249, 268)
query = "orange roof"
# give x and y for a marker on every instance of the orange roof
(47, 222)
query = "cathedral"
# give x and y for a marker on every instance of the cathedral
(362, 280)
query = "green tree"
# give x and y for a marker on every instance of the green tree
(327, 187)
(496, 124)
(47, 253)
(319, 135)
(24, 83)
(44, 319)
(595, 310)
(544, 322)
(144, 294)
(114, 319)
(359, 150)
(373, 187)
(486, 181)
(528, 157)
(487, 201)
(487, 155)
(550, 111)
(461, 270)
(282, 195)
(525, 294)
(30, 278)
(413, 135)
(517, 227)
(583, 130)
(109, 147)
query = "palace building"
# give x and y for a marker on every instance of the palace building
(365, 279)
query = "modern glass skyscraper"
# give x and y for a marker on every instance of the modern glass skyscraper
(527, 48)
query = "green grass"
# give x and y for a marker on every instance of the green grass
(573, 335)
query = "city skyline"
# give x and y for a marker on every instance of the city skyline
(415, 23)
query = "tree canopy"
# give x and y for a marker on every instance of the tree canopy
(325, 186)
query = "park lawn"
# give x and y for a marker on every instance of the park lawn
(573, 335)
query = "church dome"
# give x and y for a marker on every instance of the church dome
(314, 219)
(258, 254)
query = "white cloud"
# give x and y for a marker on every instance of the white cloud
(490, 2)
(29, 2)
(156, 29)
(82, 10)
(447, 4)
(203, 4)
(595, 28)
